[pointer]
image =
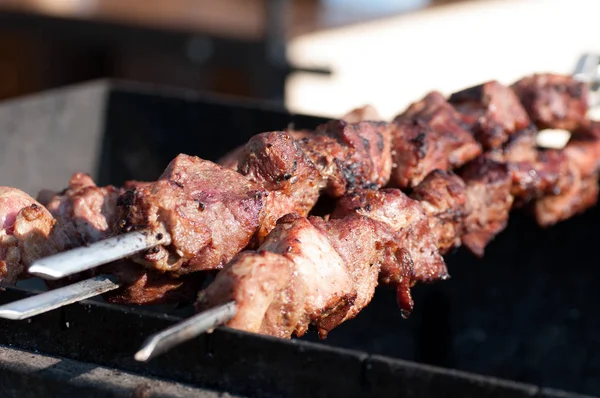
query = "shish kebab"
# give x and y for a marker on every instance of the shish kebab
(216, 225)
(259, 292)
(430, 135)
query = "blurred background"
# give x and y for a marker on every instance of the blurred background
(319, 57)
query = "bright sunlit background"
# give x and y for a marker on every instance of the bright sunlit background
(393, 61)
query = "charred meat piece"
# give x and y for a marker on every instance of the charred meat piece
(583, 148)
(85, 212)
(426, 137)
(230, 159)
(330, 290)
(577, 185)
(295, 279)
(364, 245)
(275, 162)
(209, 212)
(547, 174)
(520, 147)
(351, 156)
(409, 223)
(142, 286)
(534, 172)
(253, 280)
(489, 199)
(307, 272)
(491, 111)
(443, 196)
(553, 101)
(26, 233)
(580, 195)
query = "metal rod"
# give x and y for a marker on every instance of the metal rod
(105, 251)
(44, 302)
(186, 330)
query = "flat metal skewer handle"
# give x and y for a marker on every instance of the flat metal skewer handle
(105, 251)
(186, 330)
(47, 301)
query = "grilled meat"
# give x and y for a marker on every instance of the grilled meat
(409, 223)
(141, 286)
(488, 194)
(210, 213)
(275, 161)
(579, 194)
(85, 212)
(365, 245)
(230, 159)
(350, 156)
(317, 287)
(26, 233)
(330, 290)
(429, 136)
(491, 111)
(443, 196)
(553, 101)
(577, 186)
(308, 271)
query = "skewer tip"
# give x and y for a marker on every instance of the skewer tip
(146, 352)
(11, 314)
(186, 330)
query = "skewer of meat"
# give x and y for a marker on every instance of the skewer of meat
(472, 209)
(77, 216)
(225, 200)
(480, 236)
(198, 215)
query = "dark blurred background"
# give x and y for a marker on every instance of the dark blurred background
(229, 46)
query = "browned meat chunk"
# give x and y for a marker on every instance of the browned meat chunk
(351, 156)
(426, 137)
(534, 172)
(330, 291)
(584, 149)
(230, 159)
(410, 224)
(295, 279)
(443, 196)
(553, 101)
(577, 185)
(85, 212)
(253, 280)
(364, 245)
(580, 196)
(520, 147)
(492, 112)
(209, 212)
(142, 286)
(489, 200)
(25, 233)
(364, 113)
(275, 161)
(306, 272)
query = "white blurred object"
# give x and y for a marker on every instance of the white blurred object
(552, 138)
(394, 61)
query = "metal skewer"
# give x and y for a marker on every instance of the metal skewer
(44, 302)
(83, 258)
(186, 330)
